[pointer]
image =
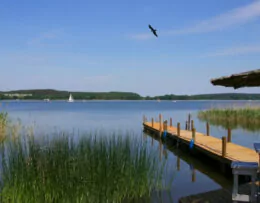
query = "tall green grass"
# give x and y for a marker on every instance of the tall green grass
(3, 125)
(91, 168)
(244, 117)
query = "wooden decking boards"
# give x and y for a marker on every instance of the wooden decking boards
(209, 144)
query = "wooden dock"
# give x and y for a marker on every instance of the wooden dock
(195, 164)
(221, 150)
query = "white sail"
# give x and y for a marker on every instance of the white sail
(70, 98)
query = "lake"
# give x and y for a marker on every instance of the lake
(128, 115)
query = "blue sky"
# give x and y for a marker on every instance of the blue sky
(107, 45)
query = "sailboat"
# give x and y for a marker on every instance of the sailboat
(71, 99)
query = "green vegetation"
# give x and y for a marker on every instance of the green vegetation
(244, 117)
(224, 96)
(41, 94)
(61, 95)
(3, 125)
(78, 168)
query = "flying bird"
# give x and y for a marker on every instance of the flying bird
(153, 30)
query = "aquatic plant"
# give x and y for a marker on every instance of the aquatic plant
(233, 117)
(90, 168)
(3, 125)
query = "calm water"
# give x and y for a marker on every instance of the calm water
(127, 115)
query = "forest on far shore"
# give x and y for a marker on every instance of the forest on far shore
(40, 94)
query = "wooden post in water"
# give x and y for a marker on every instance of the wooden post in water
(207, 126)
(160, 121)
(178, 163)
(193, 134)
(192, 124)
(165, 127)
(186, 125)
(165, 152)
(170, 122)
(160, 152)
(224, 146)
(193, 176)
(178, 129)
(152, 122)
(229, 135)
(161, 128)
(189, 124)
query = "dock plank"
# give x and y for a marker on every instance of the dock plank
(212, 144)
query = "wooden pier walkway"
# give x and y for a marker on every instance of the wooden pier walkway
(221, 150)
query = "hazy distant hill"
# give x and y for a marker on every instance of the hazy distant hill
(222, 96)
(40, 94)
(55, 94)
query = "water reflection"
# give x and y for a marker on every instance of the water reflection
(201, 177)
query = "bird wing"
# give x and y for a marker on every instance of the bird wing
(151, 27)
(153, 30)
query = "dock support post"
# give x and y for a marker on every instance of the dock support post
(178, 163)
(229, 135)
(207, 126)
(193, 134)
(235, 185)
(160, 151)
(186, 125)
(152, 122)
(224, 146)
(163, 128)
(170, 122)
(189, 124)
(178, 129)
(160, 121)
(192, 124)
(193, 176)
(165, 125)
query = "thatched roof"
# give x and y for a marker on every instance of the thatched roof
(245, 79)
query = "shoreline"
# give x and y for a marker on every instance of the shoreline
(139, 100)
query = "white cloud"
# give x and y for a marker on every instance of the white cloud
(235, 17)
(235, 51)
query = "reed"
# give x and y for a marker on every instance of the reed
(86, 168)
(3, 125)
(233, 117)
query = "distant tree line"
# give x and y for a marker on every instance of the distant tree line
(223, 96)
(40, 94)
(61, 95)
